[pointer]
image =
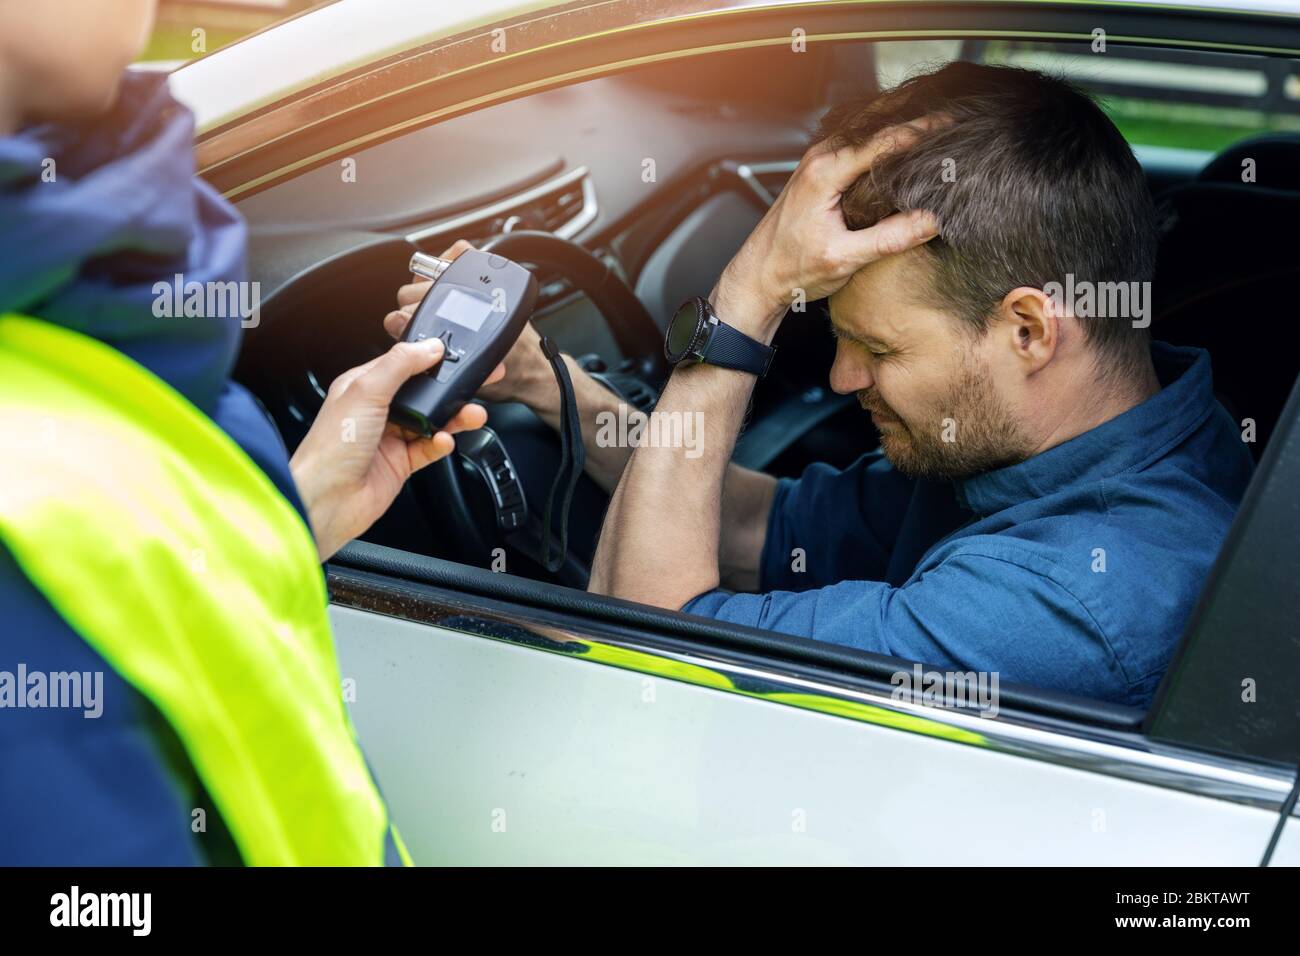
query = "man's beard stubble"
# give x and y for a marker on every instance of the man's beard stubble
(985, 435)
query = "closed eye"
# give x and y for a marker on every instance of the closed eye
(875, 351)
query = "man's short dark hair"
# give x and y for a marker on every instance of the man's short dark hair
(1042, 185)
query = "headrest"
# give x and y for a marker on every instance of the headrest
(1276, 156)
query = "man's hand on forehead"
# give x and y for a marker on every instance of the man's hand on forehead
(802, 248)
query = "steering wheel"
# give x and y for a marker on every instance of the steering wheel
(471, 491)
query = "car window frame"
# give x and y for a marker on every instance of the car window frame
(428, 83)
(243, 166)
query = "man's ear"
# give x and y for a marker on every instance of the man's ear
(1030, 326)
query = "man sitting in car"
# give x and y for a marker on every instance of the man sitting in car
(1051, 486)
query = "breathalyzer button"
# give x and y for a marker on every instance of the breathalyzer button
(497, 262)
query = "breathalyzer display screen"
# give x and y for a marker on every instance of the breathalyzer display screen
(464, 309)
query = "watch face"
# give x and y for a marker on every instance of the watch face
(681, 331)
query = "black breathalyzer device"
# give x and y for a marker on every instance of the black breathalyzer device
(478, 305)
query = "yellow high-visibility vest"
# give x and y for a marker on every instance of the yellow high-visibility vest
(162, 544)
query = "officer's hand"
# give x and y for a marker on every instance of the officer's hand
(353, 461)
(528, 377)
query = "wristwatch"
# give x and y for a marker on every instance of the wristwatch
(696, 334)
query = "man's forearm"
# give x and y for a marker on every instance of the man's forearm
(746, 497)
(661, 542)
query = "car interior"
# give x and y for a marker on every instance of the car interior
(627, 193)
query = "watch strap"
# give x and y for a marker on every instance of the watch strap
(733, 349)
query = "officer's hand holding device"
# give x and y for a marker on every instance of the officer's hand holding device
(478, 304)
(355, 457)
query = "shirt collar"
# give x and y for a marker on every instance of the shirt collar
(1142, 434)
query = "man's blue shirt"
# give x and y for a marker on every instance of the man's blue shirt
(1074, 570)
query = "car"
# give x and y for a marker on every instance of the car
(623, 151)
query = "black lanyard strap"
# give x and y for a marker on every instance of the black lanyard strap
(573, 458)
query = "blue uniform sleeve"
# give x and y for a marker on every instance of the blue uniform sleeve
(241, 416)
(995, 611)
(831, 525)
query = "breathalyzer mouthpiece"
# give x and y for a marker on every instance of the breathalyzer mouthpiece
(431, 267)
